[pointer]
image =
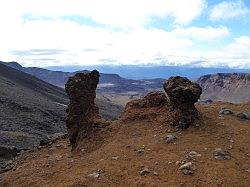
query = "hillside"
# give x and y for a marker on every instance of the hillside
(234, 87)
(32, 111)
(112, 88)
(109, 83)
(126, 149)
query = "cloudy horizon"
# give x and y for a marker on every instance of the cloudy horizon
(207, 33)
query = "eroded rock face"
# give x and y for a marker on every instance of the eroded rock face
(82, 113)
(183, 94)
(175, 107)
(152, 99)
(149, 107)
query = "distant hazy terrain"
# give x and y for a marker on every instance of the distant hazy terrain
(151, 72)
(111, 83)
(118, 90)
(111, 88)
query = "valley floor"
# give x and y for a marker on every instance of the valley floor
(126, 150)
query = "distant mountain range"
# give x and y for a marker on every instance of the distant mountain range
(108, 82)
(139, 72)
(231, 87)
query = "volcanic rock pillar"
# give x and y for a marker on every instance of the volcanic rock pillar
(82, 111)
(182, 94)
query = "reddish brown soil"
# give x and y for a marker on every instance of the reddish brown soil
(54, 165)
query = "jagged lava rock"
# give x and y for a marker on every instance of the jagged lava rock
(182, 94)
(82, 113)
(181, 90)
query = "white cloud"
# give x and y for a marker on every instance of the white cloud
(186, 11)
(240, 48)
(87, 45)
(126, 47)
(135, 44)
(203, 34)
(117, 13)
(228, 10)
(234, 55)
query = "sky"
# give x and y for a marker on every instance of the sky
(207, 33)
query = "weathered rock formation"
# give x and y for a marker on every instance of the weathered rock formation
(176, 108)
(152, 99)
(148, 108)
(82, 113)
(182, 94)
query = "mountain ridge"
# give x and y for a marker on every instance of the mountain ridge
(112, 87)
(230, 87)
(59, 78)
(139, 72)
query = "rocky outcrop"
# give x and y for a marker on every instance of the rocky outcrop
(150, 108)
(82, 113)
(182, 94)
(176, 108)
(152, 99)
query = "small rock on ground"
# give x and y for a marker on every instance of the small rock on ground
(115, 158)
(220, 154)
(226, 112)
(170, 138)
(187, 168)
(243, 115)
(192, 155)
(144, 172)
(156, 174)
(95, 174)
(140, 151)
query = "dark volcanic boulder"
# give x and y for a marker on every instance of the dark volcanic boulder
(181, 90)
(82, 114)
(183, 94)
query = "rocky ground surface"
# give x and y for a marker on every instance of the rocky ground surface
(30, 111)
(214, 151)
(146, 146)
